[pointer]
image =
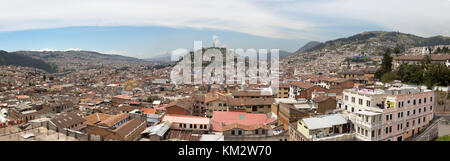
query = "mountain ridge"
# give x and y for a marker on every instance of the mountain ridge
(11, 58)
(381, 39)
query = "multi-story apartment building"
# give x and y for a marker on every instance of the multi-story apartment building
(283, 91)
(393, 114)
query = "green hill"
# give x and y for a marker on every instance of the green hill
(7, 58)
(377, 40)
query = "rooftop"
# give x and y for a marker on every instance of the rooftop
(324, 121)
(186, 119)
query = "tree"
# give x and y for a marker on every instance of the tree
(151, 98)
(386, 64)
(397, 50)
(445, 50)
(389, 77)
(425, 61)
(437, 75)
(438, 50)
(410, 73)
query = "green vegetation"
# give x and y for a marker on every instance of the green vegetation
(358, 59)
(443, 50)
(151, 98)
(389, 77)
(386, 64)
(424, 74)
(7, 58)
(444, 138)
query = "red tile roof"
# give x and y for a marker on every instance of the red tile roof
(124, 96)
(148, 110)
(221, 119)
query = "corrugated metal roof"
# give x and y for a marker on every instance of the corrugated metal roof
(325, 121)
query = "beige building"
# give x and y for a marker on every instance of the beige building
(333, 127)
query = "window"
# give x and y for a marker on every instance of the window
(379, 132)
(360, 101)
(387, 130)
(398, 126)
(190, 126)
(232, 132)
(390, 129)
(263, 131)
(398, 115)
(353, 99)
(414, 122)
(418, 121)
(423, 119)
(420, 101)
(353, 109)
(407, 124)
(181, 125)
(420, 110)
(387, 117)
(390, 116)
(346, 97)
(373, 133)
(424, 109)
(424, 100)
(368, 103)
(414, 102)
(345, 107)
(414, 112)
(431, 99)
(195, 126)
(256, 132)
(240, 132)
(407, 114)
(431, 107)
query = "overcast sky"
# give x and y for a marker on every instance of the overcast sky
(144, 28)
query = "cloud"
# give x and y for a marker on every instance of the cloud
(285, 19)
(177, 54)
(48, 49)
(412, 16)
(217, 42)
(113, 52)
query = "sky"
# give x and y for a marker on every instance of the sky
(146, 28)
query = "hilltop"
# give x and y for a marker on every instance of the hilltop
(366, 43)
(73, 59)
(7, 58)
(374, 41)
